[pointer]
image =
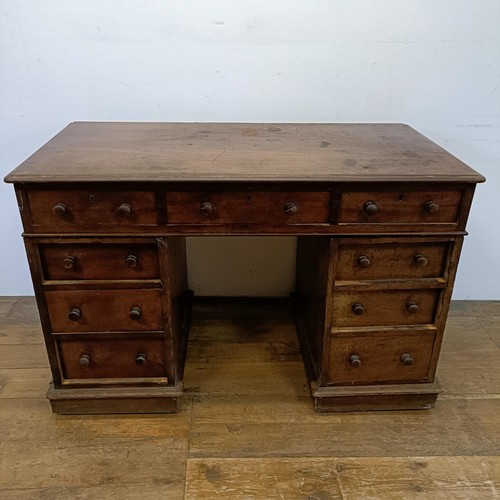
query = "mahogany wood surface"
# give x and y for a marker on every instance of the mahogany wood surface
(379, 210)
(399, 207)
(123, 357)
(380, 359)
(248, 207)
(221, 152)
(105, 310)
(371, 259)
(385, 307)
(99, 261)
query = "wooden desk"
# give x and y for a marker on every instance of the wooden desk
(379, 212)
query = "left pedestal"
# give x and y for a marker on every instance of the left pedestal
(115, 315)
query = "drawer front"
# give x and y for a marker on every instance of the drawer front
(394, 260)
(373, 359)
(399, 207)
(87, 358)
(66, 210)
(248, 207)
(99, 262)
(384, 308)
(104, 310)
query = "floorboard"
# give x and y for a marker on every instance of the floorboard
(246, 427)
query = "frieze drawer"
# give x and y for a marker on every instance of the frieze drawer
(67, 211)
(248, 207)
(399, 207)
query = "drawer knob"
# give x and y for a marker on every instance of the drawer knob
(355, 361)
(135, 313)
(131, 260)
(406, 359)
(60, 209)
(412, 307)
(358, 309)
(124, 210)
(431, 207)
(371, 208)
(140, 359)
(84, 360)
(420, 260)
(290, 208)
(69, 262)
(75, 314)
(206, 208)
(364, 261)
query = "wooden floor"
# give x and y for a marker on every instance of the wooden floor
(247, 428)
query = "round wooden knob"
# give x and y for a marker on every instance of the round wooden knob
(355, 361)
(420, 260)
(412, 307)
(371, 208)
(131, 260)
(290, 208)
(60, 209)
(124, 210)
(69, 262)
(84, 360)
(358, 309)
(206, 208)
(75, 314)
(406, 359)
(431, 207)
(135, 313)
(364, 261)
(140, 359)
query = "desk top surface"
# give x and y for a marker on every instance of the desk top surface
(240, 152)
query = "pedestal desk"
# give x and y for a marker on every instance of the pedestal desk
(379, 212)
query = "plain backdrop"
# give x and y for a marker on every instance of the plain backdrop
(432, 64)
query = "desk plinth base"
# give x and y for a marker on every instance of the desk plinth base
(94, 401)
(376, 397)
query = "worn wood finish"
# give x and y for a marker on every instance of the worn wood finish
(372, 259)
(104, 310)
(71, 401)
(89, 358)
(199, 152)
(99, 261)
(341, 478)
(399, 207)
(218, 443)
(248, 207)
(380, 359)
(361, 308)
(99, 207)
(379, 210)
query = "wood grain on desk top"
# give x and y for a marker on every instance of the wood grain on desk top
(249, 152)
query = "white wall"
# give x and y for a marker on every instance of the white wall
(434, 65)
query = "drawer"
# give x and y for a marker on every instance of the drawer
(248, 207)
(370, 260)
(384, 308)
(66, 210)
(88, 358)
(374, 359)
(99, 261)
(399, 207)
(104, 310)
